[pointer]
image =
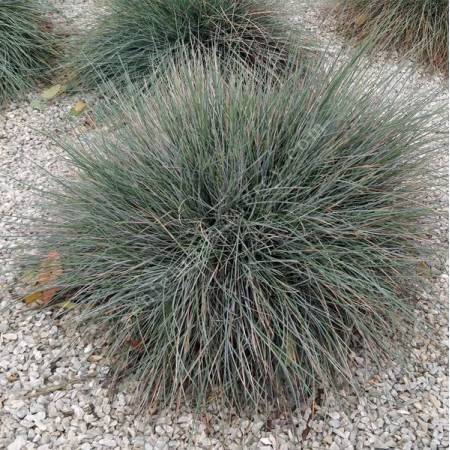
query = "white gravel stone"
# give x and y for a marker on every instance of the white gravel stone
(18, 444)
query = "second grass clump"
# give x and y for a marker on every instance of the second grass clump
(419, 27)
(28, 47)
(137, 37)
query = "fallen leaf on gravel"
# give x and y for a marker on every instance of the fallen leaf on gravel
(52, 92)
(78, 108)
(360, 20)
(424, 269)
(50, 268)
(95, 358)
(49, 272)
(48, 294)
(32, 298)
(40, 298)
(135, 343)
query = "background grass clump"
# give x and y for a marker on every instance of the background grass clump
(239, 242)
(419, 27)
(27, 46)
(136, 37)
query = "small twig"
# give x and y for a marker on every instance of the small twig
(59, 387)
(314, 405)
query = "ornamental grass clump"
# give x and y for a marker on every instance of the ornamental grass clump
(137, 37)
(418, 26)
(27, 47)
(237, 241)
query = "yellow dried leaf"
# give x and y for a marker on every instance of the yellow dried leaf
(52, 92)
(291, 352)
(78, 108)
(67, 305)
(360, 20)
(32, 298)
(424, 269)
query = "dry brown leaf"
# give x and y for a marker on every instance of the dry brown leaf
(89, 121)
(314, 408)
(49, 272)
(135, 343)
(48, 294)
(50, 269)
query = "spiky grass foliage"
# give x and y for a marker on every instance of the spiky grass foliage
(418, 26)
(241, 241)
(27, 46)
(138, 36)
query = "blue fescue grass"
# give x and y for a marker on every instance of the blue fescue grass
(28, 46)
(241, 239)
(137, 37)
(419, 27)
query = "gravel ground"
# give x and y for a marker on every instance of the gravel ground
(52, 394)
